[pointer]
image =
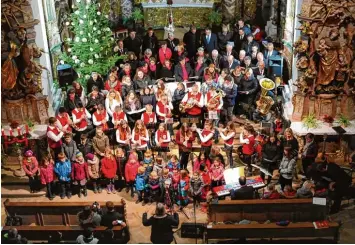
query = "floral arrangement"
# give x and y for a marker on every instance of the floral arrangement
(328, 119)
(14, 124)
(310, 121)
(343, 121)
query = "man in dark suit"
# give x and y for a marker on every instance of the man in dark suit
(120, 50)
(172, 43)
(229, 51)
(150, 41)
(183, 70)
(247, 46)
(239, 39)
(192, 42)
(216, 59)
(231, 63)
(133, 43)
(209, 41)
(270, 51)
(244, 192)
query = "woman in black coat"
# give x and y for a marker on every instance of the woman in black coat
(162, 225)
(72, 101)
(271, 153)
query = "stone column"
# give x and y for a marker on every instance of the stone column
(42, 42)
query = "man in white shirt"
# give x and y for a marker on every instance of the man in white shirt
(54, 137)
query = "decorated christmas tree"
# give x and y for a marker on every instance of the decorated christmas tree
(91, 49)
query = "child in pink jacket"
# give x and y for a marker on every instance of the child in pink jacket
(216, 173)
(30, 166)
(131, 170)
(47, 175)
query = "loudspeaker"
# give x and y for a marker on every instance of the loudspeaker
(66, 75)
(192, 230)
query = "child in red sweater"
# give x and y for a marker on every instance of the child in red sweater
(80, 174)
(271, 193)
(109, 169)
(131, 171)
(47, 175)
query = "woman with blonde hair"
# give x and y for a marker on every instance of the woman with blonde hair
(140, 138)
(112, 100)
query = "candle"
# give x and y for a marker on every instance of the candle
(2, 132)
(11, 132)
(27, 131)
(18, 131)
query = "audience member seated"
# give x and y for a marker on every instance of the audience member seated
(108, 237)
(12, 237)
(244, 192)
(288, 192)
(88, 218)
(55, 238)
(87, 237)
(271, 193)
(111, 217)
(306, 191)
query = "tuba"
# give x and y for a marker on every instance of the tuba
(188, 105)
(265, 102)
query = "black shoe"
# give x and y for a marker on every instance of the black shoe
(69, 195)
(119, 189)
(62, 196)
(99, 190)
(138, 201)
(79, 194)
(95, 190)
(51, 198)
(127, 189)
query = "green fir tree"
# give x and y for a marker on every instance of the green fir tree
(91, 49)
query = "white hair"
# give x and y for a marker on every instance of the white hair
(230, 57)
(215, 52)
(242, 52)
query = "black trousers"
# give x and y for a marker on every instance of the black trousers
(49, 187)
(184, 159)
(283, 182)
(229, 153)
(33, 182)
(65, 188)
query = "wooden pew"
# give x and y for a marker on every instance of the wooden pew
(261, 210)
(300, 230)
(53, 213)
(69, 233)
(62, 216)
(301, 212)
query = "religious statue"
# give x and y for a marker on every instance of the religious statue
(20, 74)
(329, 58)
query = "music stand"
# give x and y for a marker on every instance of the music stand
(189, 120)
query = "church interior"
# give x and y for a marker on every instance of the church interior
(177, 121)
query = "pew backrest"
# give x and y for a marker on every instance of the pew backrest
(300, 230)
(53, 213)
(261, 210)
(69, 233)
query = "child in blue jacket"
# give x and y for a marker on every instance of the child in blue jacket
(140, 184)
(63, 170)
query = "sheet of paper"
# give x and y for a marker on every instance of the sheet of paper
(319, 201)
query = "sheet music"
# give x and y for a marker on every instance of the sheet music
(231, 176)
